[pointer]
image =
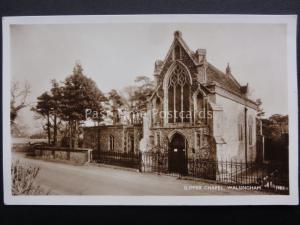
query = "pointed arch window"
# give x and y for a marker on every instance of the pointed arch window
(179, 96)
(198, 139)
(158, 139)
(200, 108)
(111, 143)
(250, 135)
(158, 110)
(131, 143)
(240, 131)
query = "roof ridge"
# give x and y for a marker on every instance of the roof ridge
(186, 48)
(179, 38)
(225, 75)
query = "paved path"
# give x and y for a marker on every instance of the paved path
(66, 179)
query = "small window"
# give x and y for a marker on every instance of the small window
(111, 143)
(151, 140)
(198, 139)
(250, 135)
(250, 127)
(240, 132)
(131, 143)
(158, 139)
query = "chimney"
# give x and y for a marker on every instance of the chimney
(200, 58)
(245, 90)
(200, 55)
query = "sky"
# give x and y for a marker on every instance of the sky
(114, 54)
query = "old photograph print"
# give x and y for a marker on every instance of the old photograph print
(149, 109)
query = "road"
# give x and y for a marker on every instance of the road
(66, 179)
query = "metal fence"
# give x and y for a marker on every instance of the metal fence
(261, 176)
(267, 176)
(126, 159)
(264, 176)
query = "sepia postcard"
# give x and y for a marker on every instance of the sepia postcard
(150, 110)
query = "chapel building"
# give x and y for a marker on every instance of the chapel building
(195, 111)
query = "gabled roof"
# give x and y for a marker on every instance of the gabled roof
(226, 81)
(178, 38)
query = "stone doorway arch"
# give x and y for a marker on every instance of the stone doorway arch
(177, 154)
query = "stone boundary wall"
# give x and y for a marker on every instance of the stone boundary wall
(19, 147)
(78, 156)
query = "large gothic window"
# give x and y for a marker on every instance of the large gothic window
(179, 96)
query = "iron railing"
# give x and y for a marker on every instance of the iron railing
(271, 176)
(126, 159)
(264, 176)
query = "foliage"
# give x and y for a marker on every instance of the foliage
(68, 102)
(48, 107)
(139, 93)
(44, 104)
(79, 93)
(44, 107)
(56, 92)
(23, 177)
(275, 131)
(18, 99)
(275, 126)
(116, 98)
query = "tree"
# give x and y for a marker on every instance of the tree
(143, 92)
(275, 131)
(48, 107)
(78, 94)
(139, 94)
(275, 126)
(116, 98)
(44, 108)
(116, 101)
(56, 98)
(281, 122)
(18, 99)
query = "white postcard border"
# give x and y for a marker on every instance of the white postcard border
(291, 199)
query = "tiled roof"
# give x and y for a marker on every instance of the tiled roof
(224, 80)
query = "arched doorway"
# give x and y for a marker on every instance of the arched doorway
(178, 154)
